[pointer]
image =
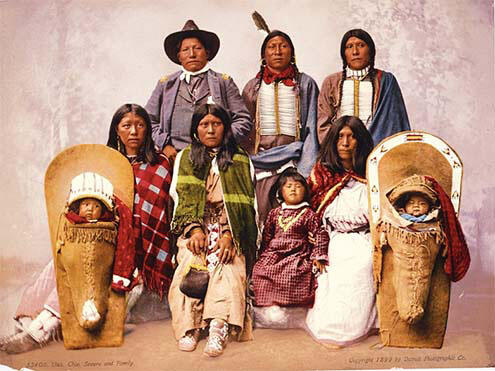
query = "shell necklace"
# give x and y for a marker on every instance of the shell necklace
(286, 223)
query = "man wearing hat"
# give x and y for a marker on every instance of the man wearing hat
(175, 97)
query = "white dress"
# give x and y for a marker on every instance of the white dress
(344, 310)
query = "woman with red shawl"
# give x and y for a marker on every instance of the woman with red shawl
(344, 310)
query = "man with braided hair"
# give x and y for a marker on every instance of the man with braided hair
(282, 102)
(363, 91)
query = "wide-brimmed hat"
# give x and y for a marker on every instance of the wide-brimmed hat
(415, 184)
(210, 41)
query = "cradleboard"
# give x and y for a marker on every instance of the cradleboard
(84, 253)
(413, 290)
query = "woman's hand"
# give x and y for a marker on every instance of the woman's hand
(170, 152)
(227, 250)
(197, 242)
(319, 266)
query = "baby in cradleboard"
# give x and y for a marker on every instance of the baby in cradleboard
(420, 249)
(91, 216)
(293, 251)
(424, 207)
(86, 210)
(91, 200)
(94, 250)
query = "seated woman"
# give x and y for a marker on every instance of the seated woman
(362, 90)
(130, 133)
(293, 249)
(344, 310)
(214, 216)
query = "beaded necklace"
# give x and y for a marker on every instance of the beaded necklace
(286, 223)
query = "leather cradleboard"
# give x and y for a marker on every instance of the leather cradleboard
(430, 330)
(63, 168)
(393, 160)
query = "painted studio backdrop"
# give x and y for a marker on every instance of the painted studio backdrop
(67, 65)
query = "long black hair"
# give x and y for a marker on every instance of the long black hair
(329, 156)
(268, 37)
(276, 189)
(147, 151)
(200, 155)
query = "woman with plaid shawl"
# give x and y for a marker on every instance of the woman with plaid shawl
(130, 134)
(215, 219)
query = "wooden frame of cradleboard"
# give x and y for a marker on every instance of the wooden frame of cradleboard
(392, 160)
(69, 163)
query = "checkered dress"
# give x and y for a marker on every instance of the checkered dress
(282, 275)
(152, 224)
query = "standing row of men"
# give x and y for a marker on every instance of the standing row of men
(281, 117)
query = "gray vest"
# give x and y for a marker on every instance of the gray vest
(188, 98)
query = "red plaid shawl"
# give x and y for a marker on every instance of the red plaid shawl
(152, 225)
(325, 186)
(458, 259)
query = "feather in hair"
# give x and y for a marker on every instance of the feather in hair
(260, 22)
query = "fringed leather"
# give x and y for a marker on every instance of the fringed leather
(298, 116)
(378, 258)
(257, 126)
(412, 237)
(90, 232)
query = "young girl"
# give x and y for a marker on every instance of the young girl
(293, 248)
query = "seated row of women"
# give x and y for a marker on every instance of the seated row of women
(214, 218)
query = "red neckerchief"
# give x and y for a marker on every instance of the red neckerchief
(287, 76)
(321, 181)
(458, 258)
(76, 219)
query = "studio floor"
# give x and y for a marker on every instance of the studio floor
(151, 346)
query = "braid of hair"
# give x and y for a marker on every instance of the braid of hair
(341, 85)
(297, 74)
(372, 74)
(262, 71)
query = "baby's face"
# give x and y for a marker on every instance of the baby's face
(417, 205)
(90, 208)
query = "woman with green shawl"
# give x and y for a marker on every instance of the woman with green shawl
(215, 221)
